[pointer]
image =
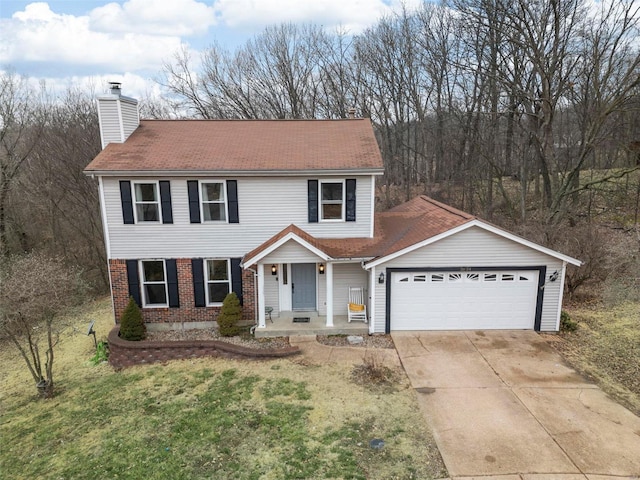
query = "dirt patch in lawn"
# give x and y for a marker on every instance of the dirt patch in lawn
(207, 418)
(606, 348)
(368, 341)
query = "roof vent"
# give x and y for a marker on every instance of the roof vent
(352, 112)
(115, 88)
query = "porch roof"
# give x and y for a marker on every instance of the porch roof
(396, 229)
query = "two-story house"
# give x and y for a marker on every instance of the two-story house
(282, 212)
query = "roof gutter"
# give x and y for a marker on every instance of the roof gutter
(234, 173)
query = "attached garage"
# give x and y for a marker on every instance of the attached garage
(464, 299)
(442, 269)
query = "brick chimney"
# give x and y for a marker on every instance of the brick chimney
(118, 115)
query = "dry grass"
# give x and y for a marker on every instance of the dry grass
(205, 418)
(606, 347)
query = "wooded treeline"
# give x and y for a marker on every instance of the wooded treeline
(525, 112)
(46, 203)
(463, 94)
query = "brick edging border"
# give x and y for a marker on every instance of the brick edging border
(125, 353)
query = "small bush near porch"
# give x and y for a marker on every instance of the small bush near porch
(206, 418)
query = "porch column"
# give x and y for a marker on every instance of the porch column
(261, 304)
(328, 273)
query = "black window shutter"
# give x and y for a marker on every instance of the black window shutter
(127, 203)
(172, 282)
(198, 282)
(351, 200)
(232, 194)
(313, 201)
(133, 280)
(194, 201)
(236, 277)
(165, 199)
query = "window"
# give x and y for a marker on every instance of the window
(437, 277)
(154, 283)
(490, 277)
(419, 278)
(147, 206)
(473, 277)
(213, 200)
(332, 201)
(218, 280)
(508, 277)
(403, 279)
(455, 277)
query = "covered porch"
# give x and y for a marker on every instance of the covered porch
(284, 326)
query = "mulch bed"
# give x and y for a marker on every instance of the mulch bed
(368, 341)
(211, 334)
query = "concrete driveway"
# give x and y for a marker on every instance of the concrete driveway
(503, 402)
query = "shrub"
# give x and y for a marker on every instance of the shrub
(131, 324)
(230, 315)
(102, 353)
(566, 323)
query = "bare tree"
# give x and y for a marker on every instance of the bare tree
(21, 123)
(34, 290)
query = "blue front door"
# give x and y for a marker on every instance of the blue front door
(303, 286)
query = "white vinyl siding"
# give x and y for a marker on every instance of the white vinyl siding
(109, 122)
(266, 206)
(290, 252)
(271, 293)
(111, 110)
(476, 247)
(346, 275)
(130, 117)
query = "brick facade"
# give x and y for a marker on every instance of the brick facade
(187, 312)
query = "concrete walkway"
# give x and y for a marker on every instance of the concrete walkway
(319, 353)
(503, 403)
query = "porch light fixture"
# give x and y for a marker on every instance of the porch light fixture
(321, 269)
(381, 277)
(554, 276)
(274, 269)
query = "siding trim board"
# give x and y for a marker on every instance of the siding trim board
(541, 269)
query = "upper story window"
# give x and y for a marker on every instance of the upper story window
(218, 278)
(147, 202)
(332, 200)
(213, 201)
(154, 283)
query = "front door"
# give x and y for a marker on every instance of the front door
(303, 286)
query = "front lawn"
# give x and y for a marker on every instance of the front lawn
(206, 418)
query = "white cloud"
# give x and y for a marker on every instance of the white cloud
(157, 17)
(353, 15)
(39, 35)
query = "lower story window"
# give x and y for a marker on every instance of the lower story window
(218, 280)
(154, 283)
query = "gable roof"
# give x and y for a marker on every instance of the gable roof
(243, 147)
(402, 229)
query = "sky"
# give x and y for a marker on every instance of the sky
(91, 42)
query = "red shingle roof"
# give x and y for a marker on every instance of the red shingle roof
(405, 225)
(243, 146)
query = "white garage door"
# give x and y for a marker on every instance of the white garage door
(463, 300)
